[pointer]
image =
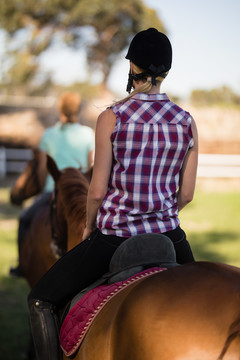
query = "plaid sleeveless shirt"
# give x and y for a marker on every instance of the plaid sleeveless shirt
(150, 140)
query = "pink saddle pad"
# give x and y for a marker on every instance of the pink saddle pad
(81, 316)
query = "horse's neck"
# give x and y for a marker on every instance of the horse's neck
(74, 237)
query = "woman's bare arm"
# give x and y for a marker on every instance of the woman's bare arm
(101, 169)
(188, 172)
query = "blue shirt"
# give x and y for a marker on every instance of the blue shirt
(69, 145)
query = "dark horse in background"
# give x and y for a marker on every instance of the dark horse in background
(189, 312)
(47, 236)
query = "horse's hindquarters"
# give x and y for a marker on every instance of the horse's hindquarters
(184, 313)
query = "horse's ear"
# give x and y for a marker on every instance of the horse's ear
(52, 168)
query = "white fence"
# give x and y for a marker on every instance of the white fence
(210, 165)
(13, 160)
(218, 166)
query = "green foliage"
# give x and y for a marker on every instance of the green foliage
(22, 72)
(222, 95)
(102, 28)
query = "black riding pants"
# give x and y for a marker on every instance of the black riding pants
(87, 262)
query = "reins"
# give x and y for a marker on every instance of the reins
(56, 237)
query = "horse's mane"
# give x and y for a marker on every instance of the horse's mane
(73, 189)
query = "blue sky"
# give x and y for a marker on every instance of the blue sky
(206, 49)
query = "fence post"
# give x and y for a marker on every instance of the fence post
(3, 167)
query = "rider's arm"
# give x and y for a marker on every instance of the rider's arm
(188, 172)
(90, 158)
(101, 169)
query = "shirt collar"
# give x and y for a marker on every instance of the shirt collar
(150, 97)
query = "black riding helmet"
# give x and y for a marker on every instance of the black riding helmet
(151, 50)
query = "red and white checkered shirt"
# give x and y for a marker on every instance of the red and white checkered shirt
(150, 140)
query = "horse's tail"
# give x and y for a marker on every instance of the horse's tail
(234, 332)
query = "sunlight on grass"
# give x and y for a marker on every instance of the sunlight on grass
(212, 224)
(8, 250)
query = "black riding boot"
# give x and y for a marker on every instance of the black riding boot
(44, 330)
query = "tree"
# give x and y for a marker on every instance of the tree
(222, 95)
(34, 26)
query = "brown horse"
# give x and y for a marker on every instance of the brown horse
(71, 188)
(47, 236)
(189, 312)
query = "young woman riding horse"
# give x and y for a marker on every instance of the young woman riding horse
(58, 226)
(144, 174)
(70, 144)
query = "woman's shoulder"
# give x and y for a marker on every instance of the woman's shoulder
(107, 119)
(107, 116)
(178, 113)
(52, 129)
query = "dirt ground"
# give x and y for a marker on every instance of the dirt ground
(217, 129)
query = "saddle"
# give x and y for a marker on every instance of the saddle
(136, 258)
(134, 255)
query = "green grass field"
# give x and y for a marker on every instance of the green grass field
(212, 224)
(14, 326)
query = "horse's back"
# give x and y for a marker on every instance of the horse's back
(183, 313)
(186, 312)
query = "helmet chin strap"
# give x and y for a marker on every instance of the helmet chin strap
(153, 72)
(130, 79)
(130, 82)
